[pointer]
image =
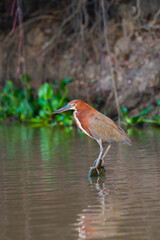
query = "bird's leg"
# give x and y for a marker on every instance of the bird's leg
(96, 162)
(105, 153)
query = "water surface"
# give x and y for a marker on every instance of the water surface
(45, 192)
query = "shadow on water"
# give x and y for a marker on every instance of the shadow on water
(45, 192)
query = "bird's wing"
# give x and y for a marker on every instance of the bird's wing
(104, 128)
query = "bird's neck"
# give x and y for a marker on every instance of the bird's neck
(81, 119)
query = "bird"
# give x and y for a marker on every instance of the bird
(97, 126)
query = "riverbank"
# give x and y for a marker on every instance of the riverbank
(48, 48)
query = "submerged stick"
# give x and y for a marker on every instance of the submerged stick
(101, 171)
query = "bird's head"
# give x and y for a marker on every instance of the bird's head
(73, 105)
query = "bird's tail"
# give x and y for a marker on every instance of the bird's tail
(126, 140)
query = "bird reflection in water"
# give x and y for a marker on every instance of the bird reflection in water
(98, 221)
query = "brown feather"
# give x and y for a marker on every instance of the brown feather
(107, 130)
(98, 125)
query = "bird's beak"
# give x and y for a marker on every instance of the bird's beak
(63, 109)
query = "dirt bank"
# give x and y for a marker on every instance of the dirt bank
(48, 49)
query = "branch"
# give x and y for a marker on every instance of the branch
(110, 63)
(156, 16)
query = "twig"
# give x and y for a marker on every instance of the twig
(13, 7)
(156, 16)
(48, 46)
(110, 63)
(138, 9)
(14, 23)
(20, 39)
(102, 64)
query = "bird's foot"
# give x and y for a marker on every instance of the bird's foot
(100, 165)
(96, 171)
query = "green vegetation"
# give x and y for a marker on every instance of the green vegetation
(26, 106)
(146, 116)
(36, 108)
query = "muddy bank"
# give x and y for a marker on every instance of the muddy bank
(48, 49)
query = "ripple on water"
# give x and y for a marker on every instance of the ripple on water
(45, 192)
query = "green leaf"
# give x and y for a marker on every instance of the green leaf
(145, 111)
(42, 102)
(22, 110)
(10, 84)
(42, 114)
(28, 107)
(62, 86)
(66, 80)
(149, 121)
(45, 91)
(35, 120)
(8, 87)
(57, 95)
(59, 117)
(53, 124)
(25, 79)
(135, 119)
(54, 103)
(157, 118)
(158, 102)
(54, 83)
(124, 110)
